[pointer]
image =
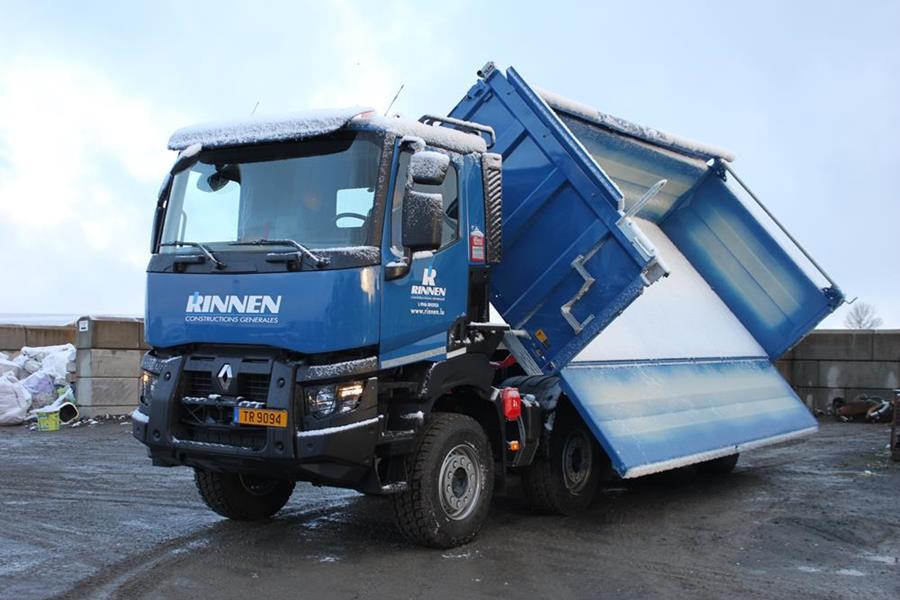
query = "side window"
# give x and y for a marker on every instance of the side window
(449, 193)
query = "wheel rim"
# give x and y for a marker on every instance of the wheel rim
(460, 482)
(576, 462)
(256, 485)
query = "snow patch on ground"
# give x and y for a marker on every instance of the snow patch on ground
(328, 559)
(468, 554)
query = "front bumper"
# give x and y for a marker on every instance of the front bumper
(338, 450)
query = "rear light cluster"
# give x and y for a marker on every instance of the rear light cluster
(512, 403)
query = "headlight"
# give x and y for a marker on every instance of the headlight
(148, 384)
(348, 395)
(324, 400)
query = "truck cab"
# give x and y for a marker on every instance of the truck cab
(318, 283)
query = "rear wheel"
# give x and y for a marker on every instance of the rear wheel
(564, 478)
(450, 484)
(719, 466)
(242, 497)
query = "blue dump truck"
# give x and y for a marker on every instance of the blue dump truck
(525, 288)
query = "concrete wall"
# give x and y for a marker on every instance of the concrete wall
(108, 365)
(835, 363)
(14, 337)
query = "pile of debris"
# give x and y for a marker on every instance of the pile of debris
(35, 380)
(873, 409)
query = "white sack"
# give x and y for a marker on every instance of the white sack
(8, 366)
(15, 400)
(53, 360)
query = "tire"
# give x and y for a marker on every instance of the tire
(241, 497)
(564, 478)
(454, 450)
(719, 466)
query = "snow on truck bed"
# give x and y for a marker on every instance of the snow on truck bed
(679, 316)
(641, 132)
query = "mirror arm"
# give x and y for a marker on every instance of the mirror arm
(398, 267)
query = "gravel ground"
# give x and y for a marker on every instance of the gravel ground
(84, 515)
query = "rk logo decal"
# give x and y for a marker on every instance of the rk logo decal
(428, 276)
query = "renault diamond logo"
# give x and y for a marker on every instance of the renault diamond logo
(225, 376)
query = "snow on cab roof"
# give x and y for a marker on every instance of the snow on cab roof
(277, 128)
(641, 132)
(443, 137)
(313, 123)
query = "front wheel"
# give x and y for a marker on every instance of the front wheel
(450, 483)
(242, 497)
(564, 477)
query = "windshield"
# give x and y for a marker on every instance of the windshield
(319, 193)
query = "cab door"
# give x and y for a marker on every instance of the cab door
(419, 308)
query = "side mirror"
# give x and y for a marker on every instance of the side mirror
(428, 167)
(423, 216)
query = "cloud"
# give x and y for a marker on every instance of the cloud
(82, 153)
(80, 161)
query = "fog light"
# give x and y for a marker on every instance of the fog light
(148, 384)
(320, 401)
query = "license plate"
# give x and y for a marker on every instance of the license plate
(264, 417)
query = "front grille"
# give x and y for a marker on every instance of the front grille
(251, 386)
(197, 383)
(206, 415)
(242, 437)
(214, 423)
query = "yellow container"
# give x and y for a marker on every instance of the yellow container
(48, 421)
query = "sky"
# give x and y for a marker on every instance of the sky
(806, 94)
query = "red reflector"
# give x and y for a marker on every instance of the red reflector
(512, 404)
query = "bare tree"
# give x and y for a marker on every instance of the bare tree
(862, 316)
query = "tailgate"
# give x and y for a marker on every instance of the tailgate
(662, 415)
(570, 264)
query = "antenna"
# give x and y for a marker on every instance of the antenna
(394, 100)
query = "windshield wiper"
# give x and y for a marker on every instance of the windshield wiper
(302, 250)
(202, 247)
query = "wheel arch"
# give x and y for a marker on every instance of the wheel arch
(480, 405)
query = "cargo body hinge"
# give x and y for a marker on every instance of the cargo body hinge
(566, 309)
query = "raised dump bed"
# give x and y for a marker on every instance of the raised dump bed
(682, 371)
